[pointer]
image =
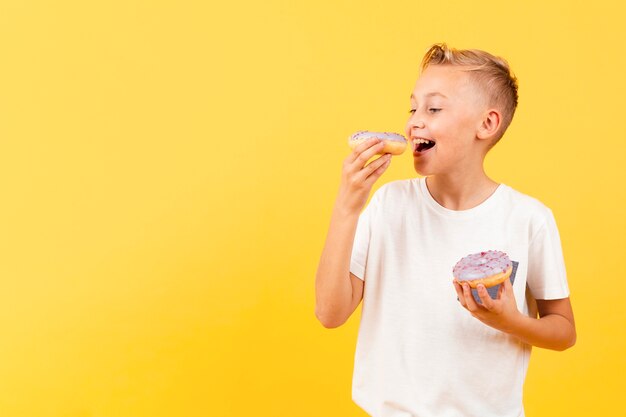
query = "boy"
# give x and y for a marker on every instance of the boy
(426, 347)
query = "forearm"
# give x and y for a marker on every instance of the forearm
(551, 331)
(333, 289)
(333, 284)
(554, 330)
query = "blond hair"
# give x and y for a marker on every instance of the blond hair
(491, 73)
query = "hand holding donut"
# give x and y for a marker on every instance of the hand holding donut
(482, 270)
(358, 176)
(500, 313)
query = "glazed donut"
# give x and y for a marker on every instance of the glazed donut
(488, 268)
(395, 144)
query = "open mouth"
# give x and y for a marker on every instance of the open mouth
(420, 144)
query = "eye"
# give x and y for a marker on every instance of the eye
(412, 111)
(434, 110)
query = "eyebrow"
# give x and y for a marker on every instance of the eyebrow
(430, 95)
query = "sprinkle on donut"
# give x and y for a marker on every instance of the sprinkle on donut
(366, 134)
(481, 265)
(394, 143)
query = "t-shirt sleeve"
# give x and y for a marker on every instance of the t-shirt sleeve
(362, 236)
(547, 279)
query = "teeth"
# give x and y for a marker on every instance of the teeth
(420, 140)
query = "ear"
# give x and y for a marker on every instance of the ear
(490, 124)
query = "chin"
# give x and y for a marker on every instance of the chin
(421, 170)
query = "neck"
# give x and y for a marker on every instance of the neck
(461, 190)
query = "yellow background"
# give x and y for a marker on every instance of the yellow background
(168, 169)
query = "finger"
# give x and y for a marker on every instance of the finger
(366, 155)
(470, 303)
(374, 166)
(485, 297)
(507, 288)
(501, 290)
(376, 163)
(363, 146)
(459, 292)
(371, 179)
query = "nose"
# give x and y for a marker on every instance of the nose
(414, 123)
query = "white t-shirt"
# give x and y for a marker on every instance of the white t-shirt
(419, 353)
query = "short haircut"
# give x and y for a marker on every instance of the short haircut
(491, 73)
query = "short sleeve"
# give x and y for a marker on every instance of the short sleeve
(362, 236)
(547, 279)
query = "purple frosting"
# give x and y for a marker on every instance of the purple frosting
(365, 134)
(481, 265)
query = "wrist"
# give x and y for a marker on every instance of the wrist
(516, 324)
(345, 210)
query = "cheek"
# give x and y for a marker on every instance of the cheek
(459, 131)
(444, 130)
(407, 130)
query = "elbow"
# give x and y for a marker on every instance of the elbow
(329, 321)
(330, 324)
(567, 343)
(571, 341)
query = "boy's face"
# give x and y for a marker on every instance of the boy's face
(447, 109)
